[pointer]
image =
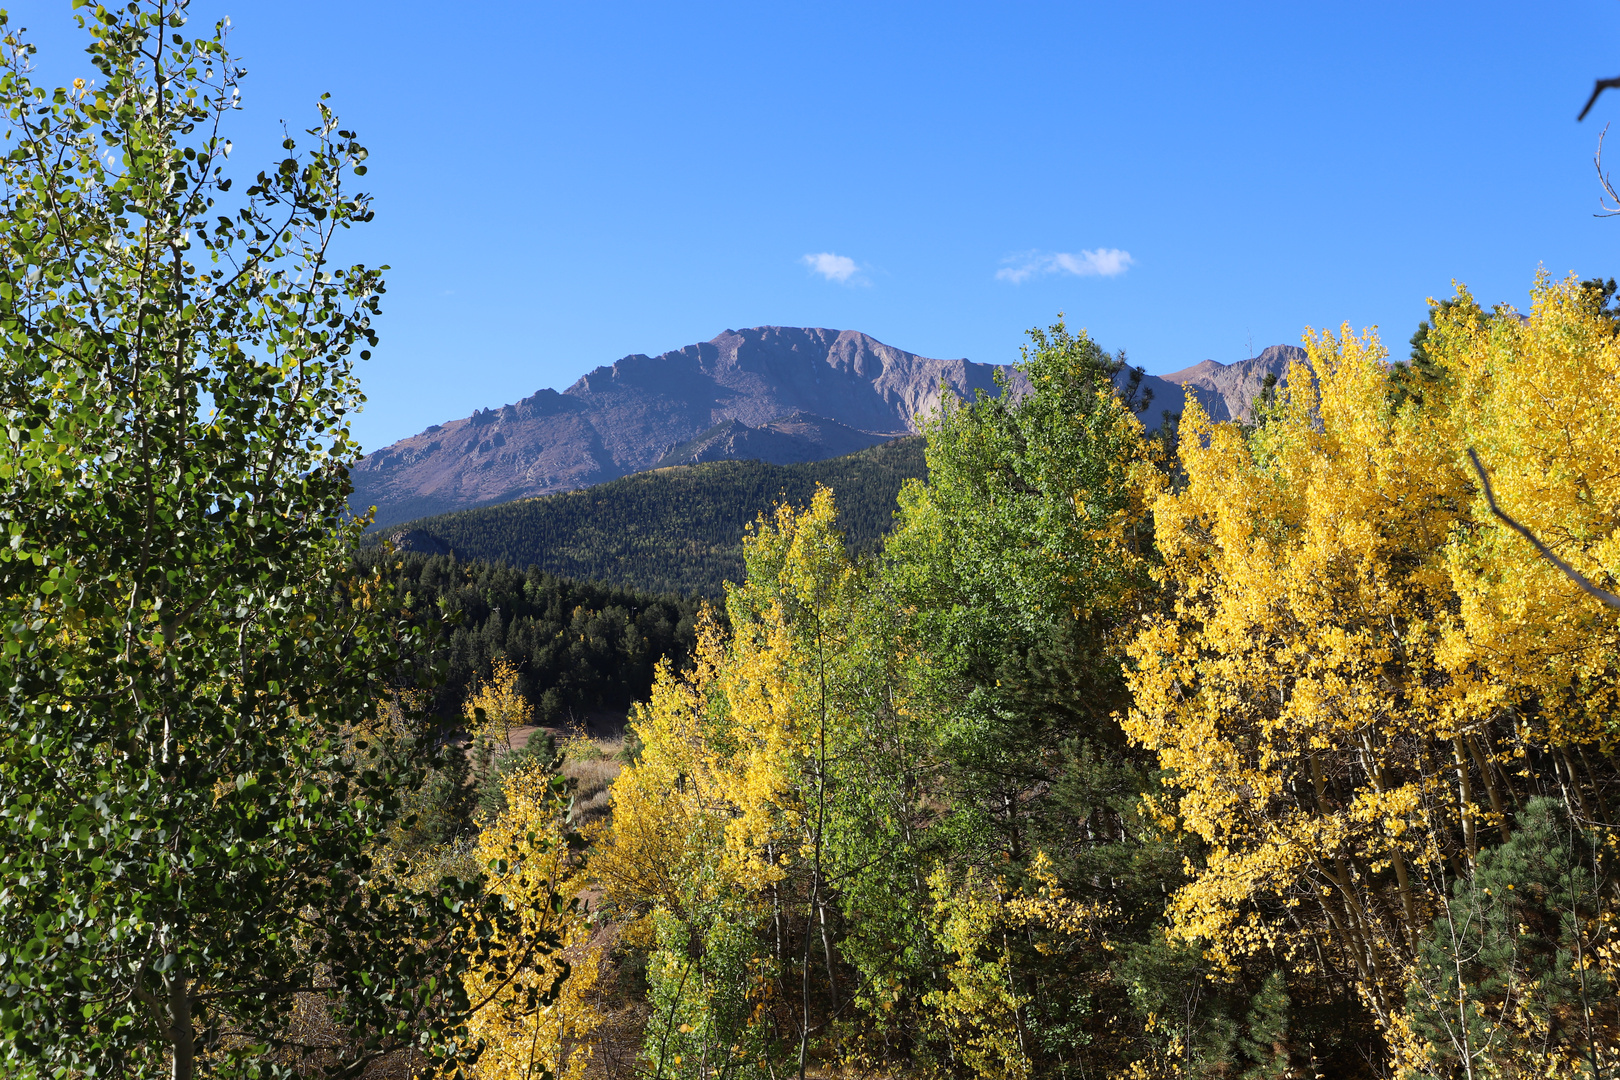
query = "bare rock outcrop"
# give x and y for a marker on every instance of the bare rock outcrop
(1228, 391)
(630, 415)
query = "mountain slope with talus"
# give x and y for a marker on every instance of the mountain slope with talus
(777, 394)
(817, 393)
(1228, 391)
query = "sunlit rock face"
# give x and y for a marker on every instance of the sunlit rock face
(776, 393)
(781, 394)
(1228, 391)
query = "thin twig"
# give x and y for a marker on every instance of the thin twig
(1597, 162)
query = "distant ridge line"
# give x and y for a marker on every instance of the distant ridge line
(778, 394)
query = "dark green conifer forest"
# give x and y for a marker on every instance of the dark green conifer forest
(674, 530)
(1035, 746)
(580, 647)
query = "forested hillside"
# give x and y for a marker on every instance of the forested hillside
(675, 530)
(578, 646)
(1273, 752)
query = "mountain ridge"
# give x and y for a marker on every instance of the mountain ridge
(1228, 391)
(776, 394)
(624, 417)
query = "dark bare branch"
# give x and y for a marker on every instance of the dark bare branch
(1569, 571)
(1597, 89)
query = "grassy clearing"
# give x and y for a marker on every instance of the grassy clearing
(591, 766)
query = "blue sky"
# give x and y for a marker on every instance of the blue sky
(560, 185)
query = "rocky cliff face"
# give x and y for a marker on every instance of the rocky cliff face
(775, 393)
(1228, 391)
(827, 392)
(1225, 391)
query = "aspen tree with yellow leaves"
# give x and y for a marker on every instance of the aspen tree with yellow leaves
(496, 705)
(771, 802)
(677, 862)
(888, 821)
(1018, 568)
(1281, 756)
(1364, 680)
(535, 1013)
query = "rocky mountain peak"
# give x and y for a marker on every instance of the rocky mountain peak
(631, 414)
(1228, 391)
(781, 394)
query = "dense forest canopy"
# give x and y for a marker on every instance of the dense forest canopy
(674, 530)
(578, 647)
(1037, 747)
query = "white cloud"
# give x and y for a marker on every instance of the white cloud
(1104, 262)
(839, 268)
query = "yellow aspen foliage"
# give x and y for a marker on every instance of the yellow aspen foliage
(718, 835)
(716, 801)
(535, 999)
(978, 1010)
(496, 706)
(1539, 401)
(1362, 676)
(699, 834)
(678, 838)
(1050, 911)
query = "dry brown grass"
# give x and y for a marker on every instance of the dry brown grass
(592, 765)
(592, 776)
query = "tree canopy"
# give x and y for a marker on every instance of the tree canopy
(194, 773)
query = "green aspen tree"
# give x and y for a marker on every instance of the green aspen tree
(191, 769)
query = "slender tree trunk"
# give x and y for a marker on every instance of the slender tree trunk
(1408, 904)
(1597, 788)
(1487, 774)
(1465, 799)
(804, 986)
(185, 1037)
(1360, 932)
(1575, 782)
(776, 907)
(827, 955)
(818, 910)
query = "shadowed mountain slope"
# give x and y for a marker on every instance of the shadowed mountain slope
(674, 529)
(787, 440)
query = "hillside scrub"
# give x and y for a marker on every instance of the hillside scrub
(1268, 753)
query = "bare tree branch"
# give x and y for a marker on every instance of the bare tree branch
(1569, 571)
(1608, 186)
(1598, 88)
